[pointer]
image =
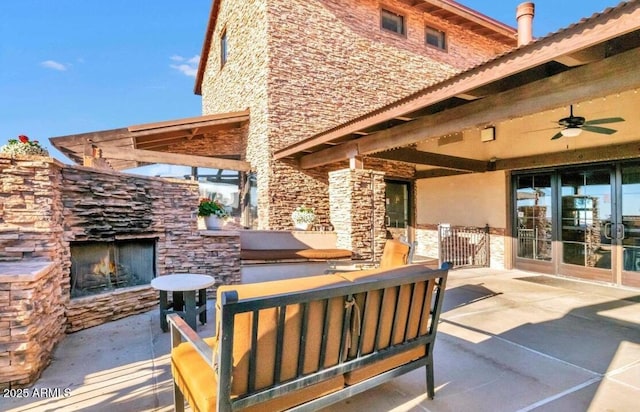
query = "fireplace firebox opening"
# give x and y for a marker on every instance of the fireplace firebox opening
(98, 267)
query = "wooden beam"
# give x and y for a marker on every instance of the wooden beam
(431, 173)
(186, 128)
(433, 159)
(612, 75)
(578, 37)
(96, 137)
(149, 156)
(190, 121)
(583, 56)
(620, 151)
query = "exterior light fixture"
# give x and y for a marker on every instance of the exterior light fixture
(571, 131)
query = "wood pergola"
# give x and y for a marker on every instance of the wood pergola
(595, 58)
(149, 143)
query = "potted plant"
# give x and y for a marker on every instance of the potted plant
(23, 146)
(213, 212)
(303, 217)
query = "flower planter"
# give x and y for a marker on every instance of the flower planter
(303, 226)
(212, 222)
(303, 218)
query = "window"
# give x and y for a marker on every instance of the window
(392, 21)
(436, 38)
(223, 48)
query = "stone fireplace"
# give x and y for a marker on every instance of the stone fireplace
(99, 267)
(79, 246)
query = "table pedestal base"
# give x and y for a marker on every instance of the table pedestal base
(185, 304)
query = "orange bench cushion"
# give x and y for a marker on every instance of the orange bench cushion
(285, 254)
(267, 333)
(394, 254)
(197, 381)
(407, 316)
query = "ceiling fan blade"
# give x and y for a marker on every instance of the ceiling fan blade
(557, 136)
(596, 129)
(604, 121)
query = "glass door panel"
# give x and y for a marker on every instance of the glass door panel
(534, 214)
(586, 218)
(629, 231)
(397, 209)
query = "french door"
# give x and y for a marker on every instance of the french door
(398, 209)
(580, 222)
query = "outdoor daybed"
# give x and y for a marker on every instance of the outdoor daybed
(306, 343)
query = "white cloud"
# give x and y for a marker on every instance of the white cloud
(188, 66)
(52, 64)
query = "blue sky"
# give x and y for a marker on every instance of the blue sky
(76, 66)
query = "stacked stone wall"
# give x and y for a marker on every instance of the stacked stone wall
(45, 207)
(30, 208)
(32, 319)
(357, 211)
(108, 206)
(242, 83)
(304, 66)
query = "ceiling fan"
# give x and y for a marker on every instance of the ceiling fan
(574, 125)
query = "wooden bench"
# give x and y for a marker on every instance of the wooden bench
(303, 344)
(279, 246)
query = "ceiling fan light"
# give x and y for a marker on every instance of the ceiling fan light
(571, 131)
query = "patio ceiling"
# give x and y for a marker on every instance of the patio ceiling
(594, 58)
(143, 144)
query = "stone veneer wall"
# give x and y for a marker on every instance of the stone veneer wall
(32, 297)
(357, 208)
(30, 208)
(31, 319)
(106, 206)
(304, 66)
(46, 205)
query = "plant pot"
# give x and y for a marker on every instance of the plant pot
(213, 222)
(303, 226)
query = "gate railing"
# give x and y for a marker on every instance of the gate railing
(464, 246)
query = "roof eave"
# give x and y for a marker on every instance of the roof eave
(206, 46)
(457, 83)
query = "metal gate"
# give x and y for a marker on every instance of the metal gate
(464, 246)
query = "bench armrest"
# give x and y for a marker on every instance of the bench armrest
(180, 332)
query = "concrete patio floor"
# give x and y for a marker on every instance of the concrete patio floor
(508, 341)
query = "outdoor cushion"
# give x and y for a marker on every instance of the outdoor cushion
(195, 379)
(393, 309)
(285, 254)
(358, 375)
(197, 382)
(267, 333)
(395, 253)
(292, 399)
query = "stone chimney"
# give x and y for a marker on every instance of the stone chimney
(524, 16)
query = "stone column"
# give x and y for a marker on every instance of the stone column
(357, 209)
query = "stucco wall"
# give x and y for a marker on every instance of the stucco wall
(466, 200)
(305, 66)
